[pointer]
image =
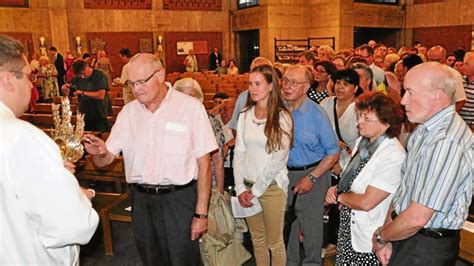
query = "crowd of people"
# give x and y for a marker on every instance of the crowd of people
(379, 141)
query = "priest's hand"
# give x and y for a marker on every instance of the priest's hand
(70, 166)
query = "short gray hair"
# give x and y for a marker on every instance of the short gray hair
(448, 83)
(181, 84)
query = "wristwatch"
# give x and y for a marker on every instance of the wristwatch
(200, 216)
(378, 237)
(313, 178)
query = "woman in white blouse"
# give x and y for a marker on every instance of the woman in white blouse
(264, 137)
(341, 111)
(370, 179)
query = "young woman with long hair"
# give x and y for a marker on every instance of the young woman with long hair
(264, 138)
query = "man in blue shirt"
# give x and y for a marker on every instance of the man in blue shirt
(314, 152)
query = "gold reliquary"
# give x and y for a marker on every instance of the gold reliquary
(65, 134)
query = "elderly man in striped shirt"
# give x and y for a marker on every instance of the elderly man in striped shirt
(432, 202)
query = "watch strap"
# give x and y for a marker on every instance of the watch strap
(200, 216)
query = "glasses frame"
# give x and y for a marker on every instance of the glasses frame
(292, 83)
(131, 84)
(363, 116)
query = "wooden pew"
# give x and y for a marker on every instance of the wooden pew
(113, 173)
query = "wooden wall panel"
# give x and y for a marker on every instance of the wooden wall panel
(450, 37)
(174, 62)
(426, 1)
(25, 38)
(118, 4)
(114, 41)
(212, 5)
(13, 3)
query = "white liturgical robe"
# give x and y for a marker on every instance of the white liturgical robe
(44, 215)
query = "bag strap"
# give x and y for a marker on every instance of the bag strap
(336, 122)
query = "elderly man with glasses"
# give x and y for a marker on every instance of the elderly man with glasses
(165, 138)
(90, 86)
(314, 152)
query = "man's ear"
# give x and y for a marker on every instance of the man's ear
(6, 81)
(307, 86)
(162, 75)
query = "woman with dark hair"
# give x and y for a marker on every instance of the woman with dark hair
(370, 179)
(342, 114)
(322, 73)
(264, 138)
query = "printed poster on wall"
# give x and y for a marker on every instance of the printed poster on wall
(182, 48)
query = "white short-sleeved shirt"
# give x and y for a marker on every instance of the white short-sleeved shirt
(161, 148)
(347, 126)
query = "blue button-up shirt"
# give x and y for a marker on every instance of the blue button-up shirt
(314, 137)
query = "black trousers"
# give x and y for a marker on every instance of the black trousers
(162, 227)
(421, 250)
(99, 124)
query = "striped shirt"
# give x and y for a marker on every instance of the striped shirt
(438, 170)
(467, 111)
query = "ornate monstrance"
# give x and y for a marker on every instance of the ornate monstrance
(66, 135)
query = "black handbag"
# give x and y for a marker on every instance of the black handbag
(290, 217)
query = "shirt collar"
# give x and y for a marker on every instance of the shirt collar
(439, 117)
(5, 111)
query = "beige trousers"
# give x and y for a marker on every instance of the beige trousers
(266, 228)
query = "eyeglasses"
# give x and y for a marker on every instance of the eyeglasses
(292, 83)
(364, 118)
(32, 77)
(132, 84)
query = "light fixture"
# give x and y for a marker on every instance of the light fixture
(160, 43)
(43, 46)
(78, 45)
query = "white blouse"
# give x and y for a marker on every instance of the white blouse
(347, 127)
(382, 171)
(251, 160)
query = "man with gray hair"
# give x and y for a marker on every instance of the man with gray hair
(165, 137)
(432, 202)
(315, 150)
(45, 214)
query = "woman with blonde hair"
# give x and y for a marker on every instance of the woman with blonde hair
(264, 138)
(48, 73)
(325, 53)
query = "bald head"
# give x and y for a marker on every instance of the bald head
(430, 88)
(146, 59)
(437, 54)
